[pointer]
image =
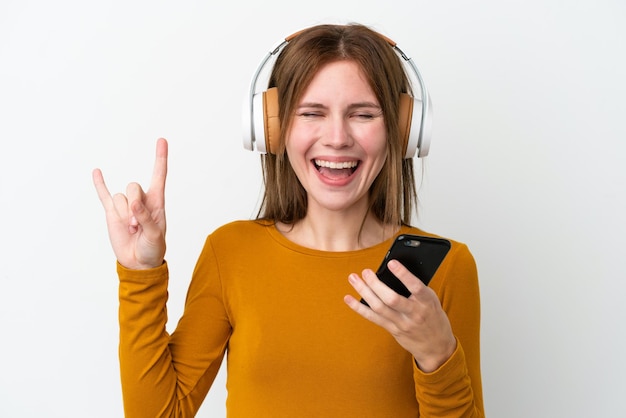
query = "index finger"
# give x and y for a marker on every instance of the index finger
(410, 281)
(160, 167)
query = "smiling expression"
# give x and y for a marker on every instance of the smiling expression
(337, 140)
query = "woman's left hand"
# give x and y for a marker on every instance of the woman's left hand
(418, 322)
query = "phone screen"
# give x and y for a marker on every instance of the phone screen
(420, 255)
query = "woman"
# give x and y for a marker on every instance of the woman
(299, 342)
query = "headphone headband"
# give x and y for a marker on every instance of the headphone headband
(259, 128)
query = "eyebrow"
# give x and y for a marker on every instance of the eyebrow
(357, 105)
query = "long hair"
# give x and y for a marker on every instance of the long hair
(392, 195)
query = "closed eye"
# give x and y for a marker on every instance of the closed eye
(364, 115)
(366, 111)
(310, 110)
(309, 114)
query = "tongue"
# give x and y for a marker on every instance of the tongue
(335, 173)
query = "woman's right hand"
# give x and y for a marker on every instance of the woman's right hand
(136, 221)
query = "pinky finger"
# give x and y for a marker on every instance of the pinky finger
(101, 188)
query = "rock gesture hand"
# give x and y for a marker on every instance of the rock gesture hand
(136, 220)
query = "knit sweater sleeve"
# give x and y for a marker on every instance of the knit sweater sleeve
(165, 375)
(455, 389)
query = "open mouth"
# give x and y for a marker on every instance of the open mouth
(335, 169)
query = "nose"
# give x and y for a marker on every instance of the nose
(337, 134)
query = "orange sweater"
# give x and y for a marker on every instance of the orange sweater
(294, 348)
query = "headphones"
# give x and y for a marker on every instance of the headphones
(261, 124)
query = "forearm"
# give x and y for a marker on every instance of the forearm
(455, 388)
(448, 390)
(148, 379)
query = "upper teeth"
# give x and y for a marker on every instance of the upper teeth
(333, 164)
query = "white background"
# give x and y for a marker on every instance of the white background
(525, 166)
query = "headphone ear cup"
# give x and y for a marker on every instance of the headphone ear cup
(271, 120)
(405, 114)
(415, 138)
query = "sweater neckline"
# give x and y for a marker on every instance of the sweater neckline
(275, 234)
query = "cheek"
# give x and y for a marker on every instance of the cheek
(380, 147)
(297, 140)
(378, 152)
(376, 146)
(373, 136)
(296, 147)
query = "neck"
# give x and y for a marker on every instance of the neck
(338, 231)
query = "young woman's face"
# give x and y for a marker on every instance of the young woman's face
(336, 144)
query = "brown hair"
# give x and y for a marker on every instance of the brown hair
(392, 194)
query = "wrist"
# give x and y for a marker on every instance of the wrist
(434, 361)
(140, 266)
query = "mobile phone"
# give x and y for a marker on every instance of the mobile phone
(421, 255)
